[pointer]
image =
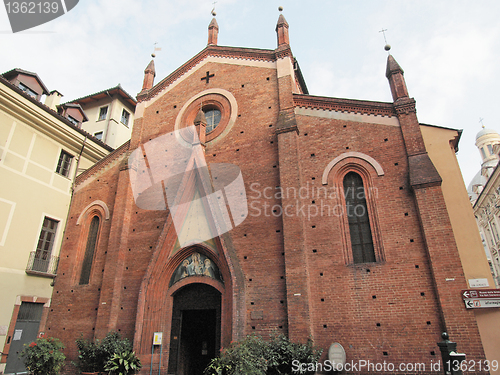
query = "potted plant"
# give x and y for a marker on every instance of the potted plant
(44, 356)
(88, 356)
(124, 363)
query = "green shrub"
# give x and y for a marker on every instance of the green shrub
(256, 356)
(44, 356)
(123, 363)
(113, 344)
(88, 355)
(93, 355)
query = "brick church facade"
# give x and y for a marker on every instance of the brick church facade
(344, 237)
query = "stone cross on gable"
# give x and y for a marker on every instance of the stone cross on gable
(208, 76)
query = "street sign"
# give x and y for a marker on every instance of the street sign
(482, 303)
(480, 293)
(157, 337)
(478, 283)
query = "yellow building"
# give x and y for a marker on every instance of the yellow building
(41, 152)
(442, 144)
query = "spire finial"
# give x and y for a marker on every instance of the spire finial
(153, 55)
(282, 29)
(387, 45)
(481, 121)
(213, 9)
(213, 29)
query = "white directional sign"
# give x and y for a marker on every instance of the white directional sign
(481, 303)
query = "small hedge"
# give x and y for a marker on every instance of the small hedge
(256, 356)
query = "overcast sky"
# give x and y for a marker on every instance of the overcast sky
(449, 50)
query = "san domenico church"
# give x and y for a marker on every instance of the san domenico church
(242, 204)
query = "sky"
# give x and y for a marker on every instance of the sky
(449, 50)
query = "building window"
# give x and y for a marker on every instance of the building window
(125, 117)
(42, 257)
(28, 91)
(359, 222)
(495, 231)
(89, 251)
(73, 120)
(490, 149)
(98, 135)
(103, 113)
(64, 163)
(483, 154)
(213, 116)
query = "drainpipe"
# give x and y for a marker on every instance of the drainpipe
(77, 164)
(105, 140)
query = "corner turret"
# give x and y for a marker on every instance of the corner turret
(282, 30)
(395, 75)
(149, 76)
(213, 32)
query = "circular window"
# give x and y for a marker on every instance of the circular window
(213, 116)
(220, 109)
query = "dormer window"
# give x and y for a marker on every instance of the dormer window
(28, 91)
(73, 120)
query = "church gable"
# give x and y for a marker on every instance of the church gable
(223, 86)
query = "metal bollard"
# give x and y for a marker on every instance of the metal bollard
(451, 359)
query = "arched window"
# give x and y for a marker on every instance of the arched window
(358, 219)
(89, 250)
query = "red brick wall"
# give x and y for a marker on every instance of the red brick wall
(383, 311)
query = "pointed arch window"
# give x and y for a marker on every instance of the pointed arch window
(362, 245)
(90, 250)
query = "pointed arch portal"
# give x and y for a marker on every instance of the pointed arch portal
(196, 329)
(194, 313)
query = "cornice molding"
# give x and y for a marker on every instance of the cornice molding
(344, 105)
(50, 124)
(101, 164)
(405, 106)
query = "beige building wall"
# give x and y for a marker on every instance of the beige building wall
(439, 143)
(31, 141)
(115, 133)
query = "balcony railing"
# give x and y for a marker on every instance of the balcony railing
(42, 267)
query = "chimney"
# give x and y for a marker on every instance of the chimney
(53, 99)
